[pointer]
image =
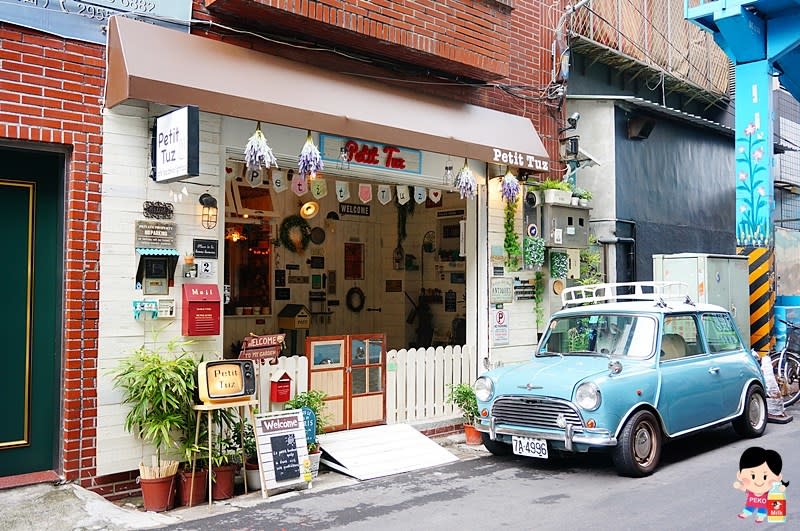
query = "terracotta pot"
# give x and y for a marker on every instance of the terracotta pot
(198, 491)
(472, 435)
(223, 485)
(158, 493)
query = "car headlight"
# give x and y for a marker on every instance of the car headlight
(484, 389)
(587, 396)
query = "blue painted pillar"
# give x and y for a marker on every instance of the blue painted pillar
(754, 158)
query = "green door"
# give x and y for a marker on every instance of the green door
(30, 309)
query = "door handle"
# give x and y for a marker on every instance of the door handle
(713, 370)
(373, 309)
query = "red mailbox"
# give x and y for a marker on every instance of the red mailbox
(201, 306)
(280, 388)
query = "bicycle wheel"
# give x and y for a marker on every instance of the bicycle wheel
(789, 379)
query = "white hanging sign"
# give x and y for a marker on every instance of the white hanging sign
(402, 194)
(342, 191)
(279, 181)
(435, 195)
(420, 194)
(384, 193)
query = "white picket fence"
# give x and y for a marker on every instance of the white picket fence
(417, 381)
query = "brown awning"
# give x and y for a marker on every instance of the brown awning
(149, 63)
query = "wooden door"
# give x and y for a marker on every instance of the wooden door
(31, 274)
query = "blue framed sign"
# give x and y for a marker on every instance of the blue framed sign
(87, 20)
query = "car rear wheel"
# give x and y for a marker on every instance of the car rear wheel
(753, 420)
(495, 447)
(639, 447)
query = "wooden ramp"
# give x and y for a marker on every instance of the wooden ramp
(378, 451)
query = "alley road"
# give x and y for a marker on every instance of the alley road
(692, 489)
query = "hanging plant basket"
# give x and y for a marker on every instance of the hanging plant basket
(295, 233)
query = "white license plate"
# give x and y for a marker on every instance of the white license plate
(529, 447)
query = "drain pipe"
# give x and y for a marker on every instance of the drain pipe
(617, 240)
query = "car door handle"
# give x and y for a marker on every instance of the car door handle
(713, 370)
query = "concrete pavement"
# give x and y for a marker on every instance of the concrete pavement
(46, 507)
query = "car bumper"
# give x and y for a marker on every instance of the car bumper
(569, 436)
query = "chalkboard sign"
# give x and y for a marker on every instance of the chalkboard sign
(284, 457)
(282, 448)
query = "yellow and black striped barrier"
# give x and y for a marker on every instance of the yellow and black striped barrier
(761, 261)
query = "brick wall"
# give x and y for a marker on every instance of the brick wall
(519, 39)
(50, 90)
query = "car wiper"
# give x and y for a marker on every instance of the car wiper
(549, 354)
(586, 353)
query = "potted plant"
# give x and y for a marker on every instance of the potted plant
(583, 196)
(556, 191)
(463, 396)
(250, 447)
(193, 477)
(158, 386)
(315, 401)
(225, 455)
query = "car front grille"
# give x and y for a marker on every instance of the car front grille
(534, 412)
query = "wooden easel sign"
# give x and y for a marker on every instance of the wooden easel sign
(282, 449)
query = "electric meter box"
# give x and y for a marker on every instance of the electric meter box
(564, 226)
(712, 279)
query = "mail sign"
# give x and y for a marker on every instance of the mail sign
(176, 146)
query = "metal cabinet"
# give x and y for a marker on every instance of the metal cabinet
(712, 278)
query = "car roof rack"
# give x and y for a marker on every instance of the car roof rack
(617, 291)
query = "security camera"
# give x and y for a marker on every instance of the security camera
(573, 119)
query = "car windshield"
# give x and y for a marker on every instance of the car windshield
(626, 335)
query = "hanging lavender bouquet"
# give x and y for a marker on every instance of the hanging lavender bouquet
(510, 187)
(465, 182)
(310, 161)
(257, 153)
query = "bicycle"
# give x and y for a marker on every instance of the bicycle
(786, 365)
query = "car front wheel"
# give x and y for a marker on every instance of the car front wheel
(753, 420)
(639, 446)
(495, 447)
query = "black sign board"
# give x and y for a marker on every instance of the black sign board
(158, 210)
(280, 278)
(317, 262)
(283, 294)
(353, 209)
(450, 301)
(284, 457)
(205, 248)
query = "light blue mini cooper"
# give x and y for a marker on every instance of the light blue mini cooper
(625, 367)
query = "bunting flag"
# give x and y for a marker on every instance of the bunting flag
(279, 181)
(299, 184)
(402, 194)
(342, 191)
(435, 195)
(365, 192)
(254, 176)
(420, 194)
(384, 193)
(319, 188)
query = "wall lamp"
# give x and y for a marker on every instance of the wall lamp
(209, 216)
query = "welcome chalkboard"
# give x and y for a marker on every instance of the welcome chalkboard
(284, 457)
(282, 448)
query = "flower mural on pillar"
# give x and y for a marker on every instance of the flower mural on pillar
(752, 189)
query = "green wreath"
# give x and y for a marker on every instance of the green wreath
(295, 233)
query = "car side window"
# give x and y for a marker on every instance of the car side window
(720, 333)
(679, 338)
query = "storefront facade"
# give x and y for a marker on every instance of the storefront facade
(378, 243)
